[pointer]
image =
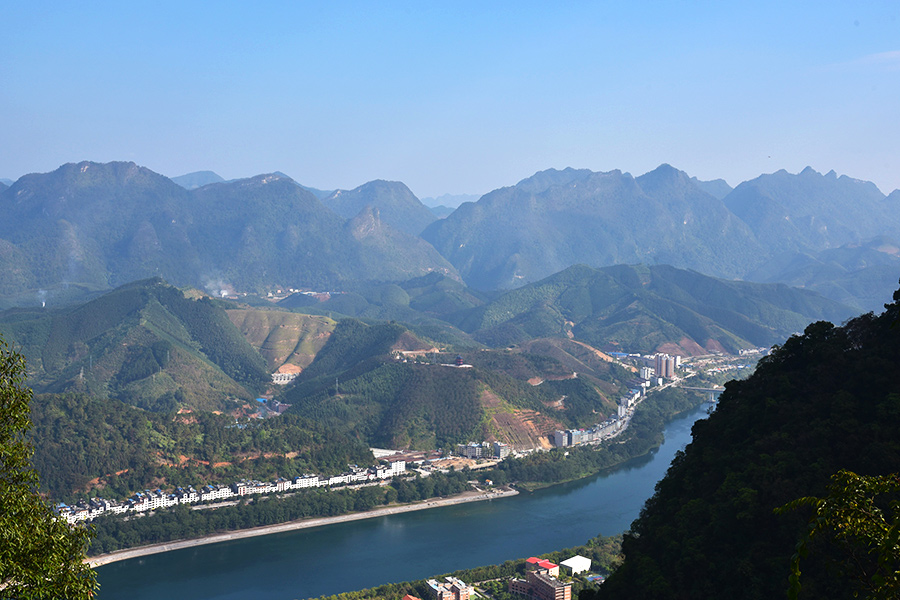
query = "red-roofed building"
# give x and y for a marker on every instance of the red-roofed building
(542, 586)
(408, 597)
(540, 564)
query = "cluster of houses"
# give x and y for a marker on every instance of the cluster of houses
(541, 582)
(154, 499)
(601, 431)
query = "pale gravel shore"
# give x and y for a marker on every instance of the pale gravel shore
(104, 559)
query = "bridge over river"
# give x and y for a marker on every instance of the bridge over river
(714, 393)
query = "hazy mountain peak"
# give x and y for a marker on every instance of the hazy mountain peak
(73, 180)
(395, 202)
(366, 223)
(809, 171)
(449, 200)
(717, 188)
(269, 178)
(542, 180)
(664, 175)
(190, 181)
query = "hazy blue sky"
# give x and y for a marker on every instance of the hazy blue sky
(452, 97)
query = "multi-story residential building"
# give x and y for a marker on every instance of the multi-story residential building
(501, 450)
(306, 481)
(450, 589)
(470, 450)
(540, 582)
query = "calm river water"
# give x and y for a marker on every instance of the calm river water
(349, 556)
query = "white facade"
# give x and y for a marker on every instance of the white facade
(577, 564)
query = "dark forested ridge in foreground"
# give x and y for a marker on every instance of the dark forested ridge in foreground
(824, 401)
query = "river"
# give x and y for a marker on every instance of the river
(350, 556)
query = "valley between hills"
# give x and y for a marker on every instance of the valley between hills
(190, 332)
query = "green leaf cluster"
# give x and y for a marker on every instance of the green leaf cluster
(40, 554)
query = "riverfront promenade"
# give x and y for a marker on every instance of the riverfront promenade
(472, 496)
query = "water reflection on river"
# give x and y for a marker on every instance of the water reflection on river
(349, 556)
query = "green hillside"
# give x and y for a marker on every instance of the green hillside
(360, 384)
(283, 337)
(84, 443)
(824, 401)
(648, 308)
(431, 305)
(143, 343)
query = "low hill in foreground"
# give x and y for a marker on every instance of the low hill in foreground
(826, 400)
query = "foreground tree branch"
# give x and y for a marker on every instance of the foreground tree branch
(41, 556)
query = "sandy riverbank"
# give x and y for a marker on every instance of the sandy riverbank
(103, 559)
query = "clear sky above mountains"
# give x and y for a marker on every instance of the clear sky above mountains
(453, 97)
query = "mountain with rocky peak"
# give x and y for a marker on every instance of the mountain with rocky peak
(95, 226)
(554, 219)
(813, 212)
(395, 202)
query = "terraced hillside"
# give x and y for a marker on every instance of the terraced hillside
(281, 337)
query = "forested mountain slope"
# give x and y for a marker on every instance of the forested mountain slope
(824, 401)
(640, 308)
(554, 219)
(144, 343)
(102, 225)
(395, 203)
(362, 384)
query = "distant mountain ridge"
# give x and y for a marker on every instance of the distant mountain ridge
(89, 227)
(197, 179)
(102, 225)
(556, 218)
(811, 211)
(449, 200)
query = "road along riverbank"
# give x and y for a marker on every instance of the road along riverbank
(103, 559)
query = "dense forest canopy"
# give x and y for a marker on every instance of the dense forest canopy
(826, 400)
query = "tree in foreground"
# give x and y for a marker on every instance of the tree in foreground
(41, 556)
(862, 515)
